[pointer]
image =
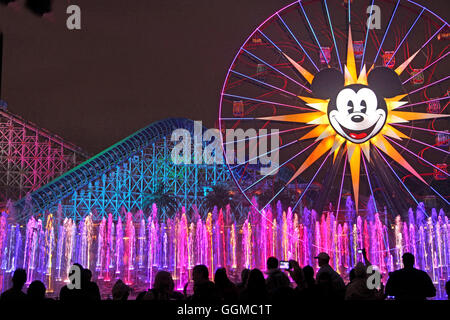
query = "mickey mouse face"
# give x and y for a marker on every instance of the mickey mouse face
(357, 114)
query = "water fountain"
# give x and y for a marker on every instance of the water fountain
(136, 249)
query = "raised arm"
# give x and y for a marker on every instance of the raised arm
(366, 261)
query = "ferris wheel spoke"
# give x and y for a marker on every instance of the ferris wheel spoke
(238, 119)
(332, 34)
(311, 181)
(280, 166)
(386, 32)
(264, 154)
(275, 69)
(434, 190)
(365, 40)
(422, 102)
(417, 156)
(432, 37)
(270, 41)
(396, 175)
(422, 70)
(267, 102)
(406, 35)
(349, 4)
(261, 155)
(312, 30)
(419, 128)
(271, 134)
(429, 85)
(298, 42)
(263, 83)
(274, 197)
(429, 145)
(368, 180)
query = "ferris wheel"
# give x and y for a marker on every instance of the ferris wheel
(355, 93)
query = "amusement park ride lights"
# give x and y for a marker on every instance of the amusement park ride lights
(389, 59)
(325, 55)
(358, 47)
(418, 76)
(443, 36)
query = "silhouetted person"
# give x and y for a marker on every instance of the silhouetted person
(92, 289)
(351, 275)
(410, 283)
(88, 290)
(276, 278)
(141, 295)
(244, 277)
(226, 289)
(204, 289)
(296, 272)
(163, 288)
(447, 289)
(325, 288)
(36, 291)
(308, 289)
(15, 293)
(120, 291)
(337, 283)
(255, 290)
(358, 288)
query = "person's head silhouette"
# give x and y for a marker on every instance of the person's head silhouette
(120, 291)
(221, 278)
(36, 291)
(408, 260)
(256, 282)
(272, 263)
(200, 273)
(323, 258)
(88, 274)
(19, 278)
(244, 275)
(308, 273)
(163, 282)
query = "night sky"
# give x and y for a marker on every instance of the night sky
(133, 62)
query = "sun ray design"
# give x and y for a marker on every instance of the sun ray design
(305, 73)
(331, 140)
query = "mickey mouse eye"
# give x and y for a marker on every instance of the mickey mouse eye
(350, 106)
(346, 101)
(364, 106)
(367, 100)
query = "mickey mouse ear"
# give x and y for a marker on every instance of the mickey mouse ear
(327, 83)
(385, 82)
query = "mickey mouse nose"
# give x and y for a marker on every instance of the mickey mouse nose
(357, 118)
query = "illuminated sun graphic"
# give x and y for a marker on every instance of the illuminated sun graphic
(354, 119)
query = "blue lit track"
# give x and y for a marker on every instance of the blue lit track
(50, 194)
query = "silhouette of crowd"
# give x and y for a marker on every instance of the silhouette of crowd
(290, 284)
